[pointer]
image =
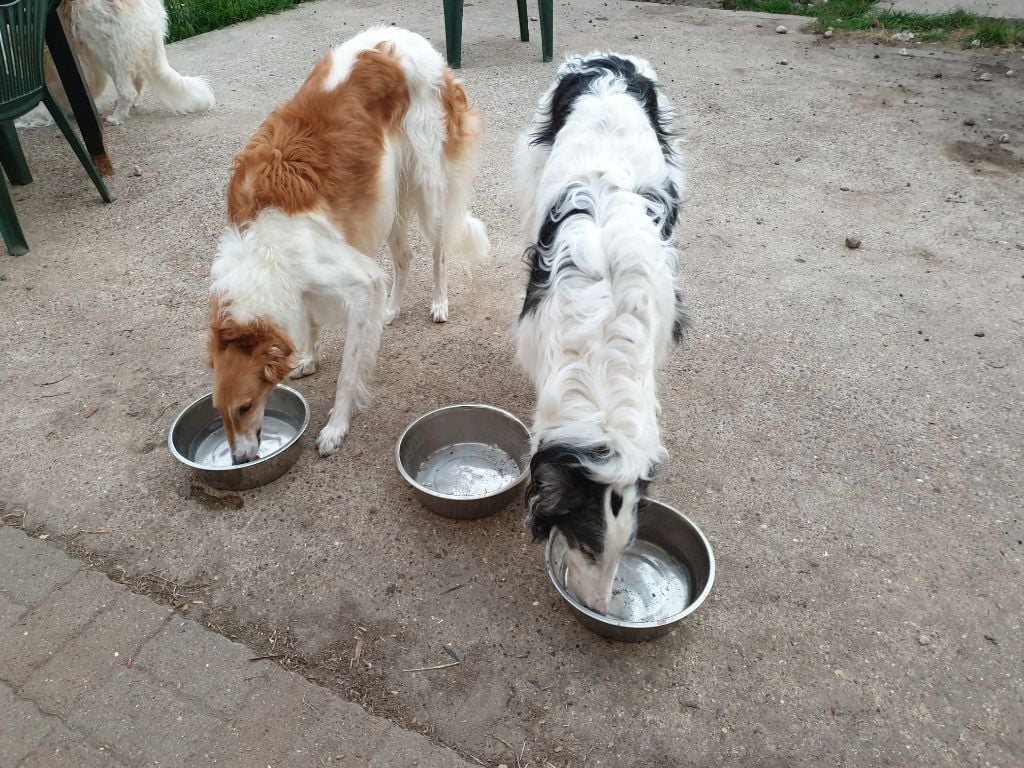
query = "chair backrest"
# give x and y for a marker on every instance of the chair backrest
(22, 29)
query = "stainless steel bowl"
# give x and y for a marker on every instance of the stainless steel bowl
(663, 577)
(197, 439)
(464, 461)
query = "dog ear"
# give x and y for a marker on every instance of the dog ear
(278, 359)
(547, 496)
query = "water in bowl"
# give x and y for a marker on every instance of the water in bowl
(468, 469)
(650, 585)
(210, 447)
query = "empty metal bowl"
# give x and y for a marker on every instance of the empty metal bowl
(197, 439)
(464, 461)
(663, 577)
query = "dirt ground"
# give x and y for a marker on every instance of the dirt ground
(846, 425)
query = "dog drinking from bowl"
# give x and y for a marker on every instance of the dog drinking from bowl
(380, 129)
(600, 189)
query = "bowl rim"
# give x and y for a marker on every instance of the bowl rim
(449, 497)
(594, 615)
(235, 467)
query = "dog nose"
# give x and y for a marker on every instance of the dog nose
(600, 605)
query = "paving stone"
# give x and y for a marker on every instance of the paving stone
(264, 729)
(105, 649)
(22, 727)
(37, 635)
(10, 612)
(345, 734)
(30, 569)
(64, 748)
(410, 750)
(193, 661)
(143, 722)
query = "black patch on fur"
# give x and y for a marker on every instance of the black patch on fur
(538, 254)
(562, 493)
(577, 83)
(681, 321)
(664, 207)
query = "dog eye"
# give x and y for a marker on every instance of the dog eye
(588, 552)
(245, 408)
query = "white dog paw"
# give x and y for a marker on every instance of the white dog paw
(306, 367)
(391, 315)
(439, 311)
(110, 120)
(330, 439)
(40, 119)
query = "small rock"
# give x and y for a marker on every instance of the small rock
(969, 121)
(1011, 73)
(828, 33)
(985, 76)
(903, 37)
(781, 29)
(877, 56)
(502, 765)
(853, 243)
(136, 171)
(1004, 139)
(783, 62)
(844, 189)
(924, 640)
(980, 334)
(975, 43)
(904, 52)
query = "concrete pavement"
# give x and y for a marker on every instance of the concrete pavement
(93, 676)
(844, 425)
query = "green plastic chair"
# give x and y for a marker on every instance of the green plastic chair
(22, 87)
(453, 29)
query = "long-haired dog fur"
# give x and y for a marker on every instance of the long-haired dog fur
(379, 129)
(600, 189)
(122, 39)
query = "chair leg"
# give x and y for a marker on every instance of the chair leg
(14, 238)
(453, 32)
(547, 33)
(524, 22)
(11, 156)
(69, 133)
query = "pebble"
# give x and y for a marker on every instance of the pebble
(904, 52)
(783, 62)
(781, 29)
(1004, 139)
(828, 33)
(985, 76)
(136, 171)
(1011, 73)
(903, 37)
(975, 43)
(853, 243)
(924, 640)
(980, 334)
(970, 121)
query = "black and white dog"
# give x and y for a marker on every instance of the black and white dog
(600, 189)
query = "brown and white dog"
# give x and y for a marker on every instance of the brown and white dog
(379, 129)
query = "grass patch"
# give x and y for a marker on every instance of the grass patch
(186, 18)
(860, 15)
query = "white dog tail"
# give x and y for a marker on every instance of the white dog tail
(177, 92)
(465, 128)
